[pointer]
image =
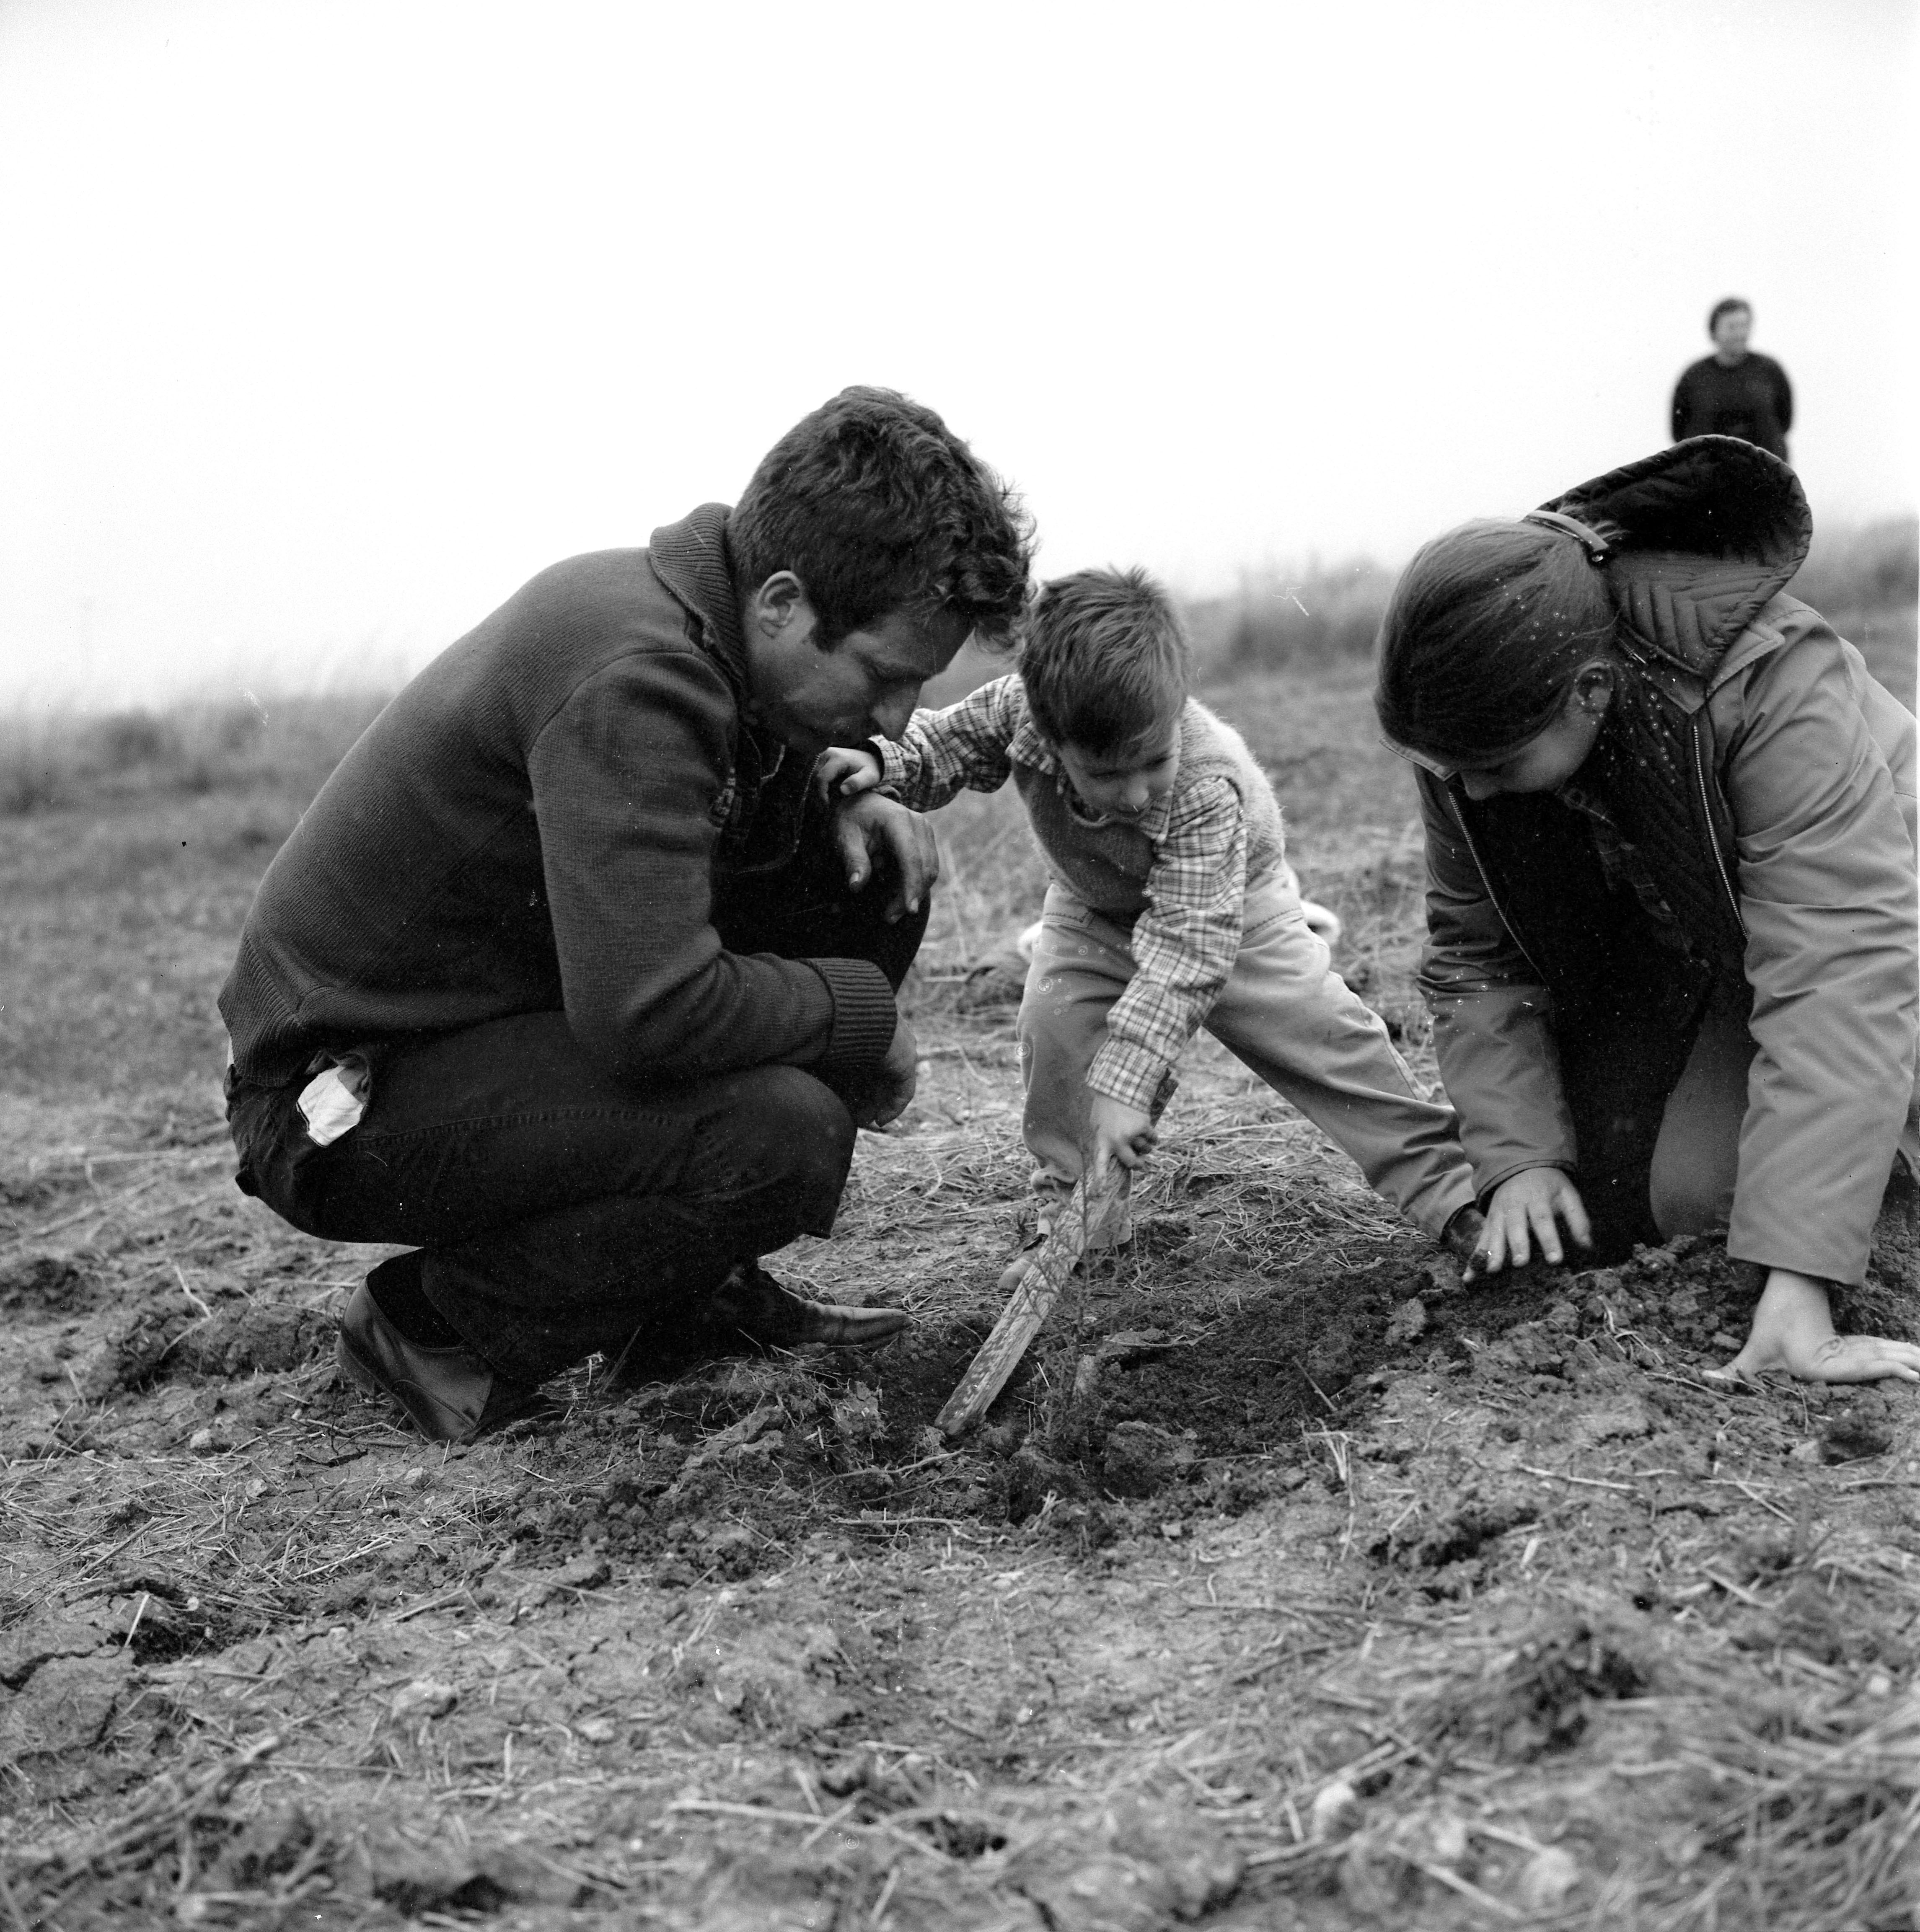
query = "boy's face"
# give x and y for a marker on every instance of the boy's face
(1124, 782)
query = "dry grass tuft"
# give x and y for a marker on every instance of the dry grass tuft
(287, 748)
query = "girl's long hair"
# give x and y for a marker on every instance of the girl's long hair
(1482, 636)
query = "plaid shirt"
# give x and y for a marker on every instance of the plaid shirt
(1184, 944)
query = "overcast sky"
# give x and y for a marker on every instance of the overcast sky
(327, 324)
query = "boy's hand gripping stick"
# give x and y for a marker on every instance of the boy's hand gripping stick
(1047, 1270)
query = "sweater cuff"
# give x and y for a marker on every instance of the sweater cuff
(864, 1015)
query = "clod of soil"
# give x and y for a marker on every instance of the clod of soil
(1140, 1459)
(263, 1338)
(42, 1285)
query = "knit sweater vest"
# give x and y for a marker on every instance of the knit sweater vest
(1105, 866)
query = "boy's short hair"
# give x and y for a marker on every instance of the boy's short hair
(1104, 658)
(876, 506)
(1727, 305)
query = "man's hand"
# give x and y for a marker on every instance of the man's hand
(1527, 1209)
(1121, 1135)
(841, 772)
(1793, 1329)
(892, 1090)
(870, 828)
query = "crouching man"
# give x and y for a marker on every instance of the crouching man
(568, 981)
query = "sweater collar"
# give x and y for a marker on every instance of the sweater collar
(691, 558)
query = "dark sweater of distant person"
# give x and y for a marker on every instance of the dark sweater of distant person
(1750, 399)
(537, 823)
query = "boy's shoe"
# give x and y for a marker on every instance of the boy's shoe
(1116, 1237)
(1116, 1232)
(1014, 1271)
(449, 1394)
(750, 1304)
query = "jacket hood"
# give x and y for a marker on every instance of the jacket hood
(1709, 531)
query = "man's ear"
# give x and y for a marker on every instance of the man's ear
(779, 604)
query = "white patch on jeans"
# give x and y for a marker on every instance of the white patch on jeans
(332, 1102)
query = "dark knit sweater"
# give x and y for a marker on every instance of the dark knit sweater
(1752, 400)
(536, 824)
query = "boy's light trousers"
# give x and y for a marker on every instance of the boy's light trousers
(1284, 1011)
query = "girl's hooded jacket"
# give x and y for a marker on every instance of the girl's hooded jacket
(1761, 786)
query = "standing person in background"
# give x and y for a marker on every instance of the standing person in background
(1735, 391)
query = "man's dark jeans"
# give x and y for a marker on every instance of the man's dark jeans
(557, 1213)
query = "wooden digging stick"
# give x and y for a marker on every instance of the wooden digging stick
(1027, 1309)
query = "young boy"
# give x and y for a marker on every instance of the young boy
(1171, 907)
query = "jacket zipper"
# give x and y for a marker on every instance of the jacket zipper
(1713, 836)
(1486, 880)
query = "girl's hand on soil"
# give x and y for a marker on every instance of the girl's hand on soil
(1122, 1136)
(841, 771)
(1793, 1330)
(1527, 1209)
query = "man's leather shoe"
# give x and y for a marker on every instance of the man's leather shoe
(450, 1394)
(752, 1303)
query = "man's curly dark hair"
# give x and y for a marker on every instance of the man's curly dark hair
(876, 506)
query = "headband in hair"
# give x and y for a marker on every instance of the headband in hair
(1595, 543)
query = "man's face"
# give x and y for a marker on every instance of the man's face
(1730, 333)
(866, 686)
